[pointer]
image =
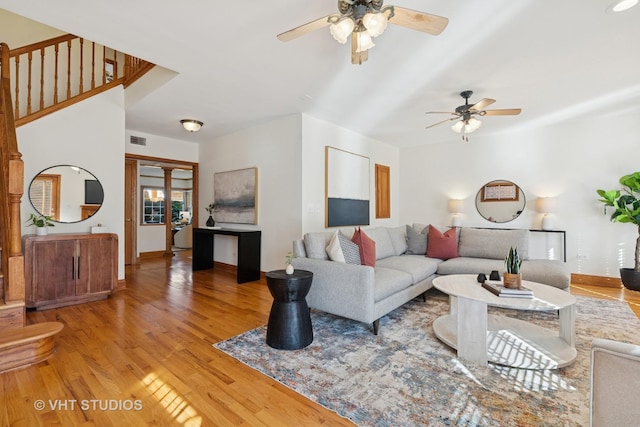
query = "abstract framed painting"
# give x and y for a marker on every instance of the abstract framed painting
(235, 194)
(346, 187)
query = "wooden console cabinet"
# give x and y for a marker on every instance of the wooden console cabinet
(66, 269)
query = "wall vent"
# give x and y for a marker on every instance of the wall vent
(138, 140)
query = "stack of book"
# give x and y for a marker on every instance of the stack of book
(497, 288)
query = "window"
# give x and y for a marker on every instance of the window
(181, 205)
(152, 205)
(44, 194)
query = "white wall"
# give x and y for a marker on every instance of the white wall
(275, 149)
(316, 134)
(18, 31)
(89, 134)
(152, 238)
(162, 148)
(290, 155)
(569, 161)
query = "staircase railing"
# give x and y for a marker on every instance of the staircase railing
(11, 189)
(53, 74)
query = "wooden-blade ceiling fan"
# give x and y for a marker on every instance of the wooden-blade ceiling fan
(364, 19)
(466, 114)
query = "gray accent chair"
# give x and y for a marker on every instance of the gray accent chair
(615, 375)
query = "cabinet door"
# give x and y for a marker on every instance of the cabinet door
(96, 260)
(53, 272)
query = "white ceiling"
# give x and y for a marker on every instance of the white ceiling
(557, 60)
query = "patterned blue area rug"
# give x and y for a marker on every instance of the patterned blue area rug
(406, 376)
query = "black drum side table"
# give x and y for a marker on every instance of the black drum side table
(289, 326)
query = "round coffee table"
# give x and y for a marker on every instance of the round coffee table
(289, 326)
(481, 338)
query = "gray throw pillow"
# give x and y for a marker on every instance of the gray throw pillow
(416, 242)
(349, 249)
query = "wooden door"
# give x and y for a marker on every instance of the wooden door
(130, 211)
(96, 261)
(53, 274)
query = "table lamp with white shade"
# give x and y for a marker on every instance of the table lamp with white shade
(455, 207)
(547, 207)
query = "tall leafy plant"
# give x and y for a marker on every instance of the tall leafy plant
(626, 205)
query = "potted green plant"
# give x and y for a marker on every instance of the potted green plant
(512, 277)
(211, 209)
(626, 210)
(41, 222)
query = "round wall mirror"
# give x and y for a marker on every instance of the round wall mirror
(66, 193)
(500, 201)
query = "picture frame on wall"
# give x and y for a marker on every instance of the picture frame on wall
(235, 194)
(500, 191)
(347, 188)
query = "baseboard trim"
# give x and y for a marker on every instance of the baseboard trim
(154, 254)
(122, 284)
(586, 279)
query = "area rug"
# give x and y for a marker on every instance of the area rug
(406, 377)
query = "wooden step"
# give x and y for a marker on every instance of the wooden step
(12, 315)
(21, 347)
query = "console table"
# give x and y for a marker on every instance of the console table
(248, 251)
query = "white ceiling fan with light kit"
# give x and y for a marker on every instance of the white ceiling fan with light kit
(465, 114)
(364, 20)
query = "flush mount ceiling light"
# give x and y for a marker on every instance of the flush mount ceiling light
(364, 19)
(621, 6)
(191, 125)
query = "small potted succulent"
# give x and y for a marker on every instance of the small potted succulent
(512, 277)
(41, 222)
(211, 209)
(626, 204)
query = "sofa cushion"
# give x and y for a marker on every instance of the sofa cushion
(388, 282)
(492, 243)
(416, 241)
(418, 266)
(367, 247)
(442, 245)
(465, 265)
(334, 250)
(384, 246)
(398, 240)
(550, 272)
(315, 244)
(424, 229)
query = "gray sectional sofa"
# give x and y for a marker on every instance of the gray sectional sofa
(401, 273)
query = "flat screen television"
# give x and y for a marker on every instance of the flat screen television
(93, 194)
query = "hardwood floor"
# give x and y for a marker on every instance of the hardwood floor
(150, 347)
(145, 357)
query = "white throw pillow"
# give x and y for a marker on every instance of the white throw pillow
(334, 250)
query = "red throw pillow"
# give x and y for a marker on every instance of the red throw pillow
(442, 245)
(367, 247)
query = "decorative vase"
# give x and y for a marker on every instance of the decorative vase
(512, 281)
(211, 222)
(289, 269)
(630, 278)
(42, 231)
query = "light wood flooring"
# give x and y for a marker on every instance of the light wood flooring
(145, 357)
